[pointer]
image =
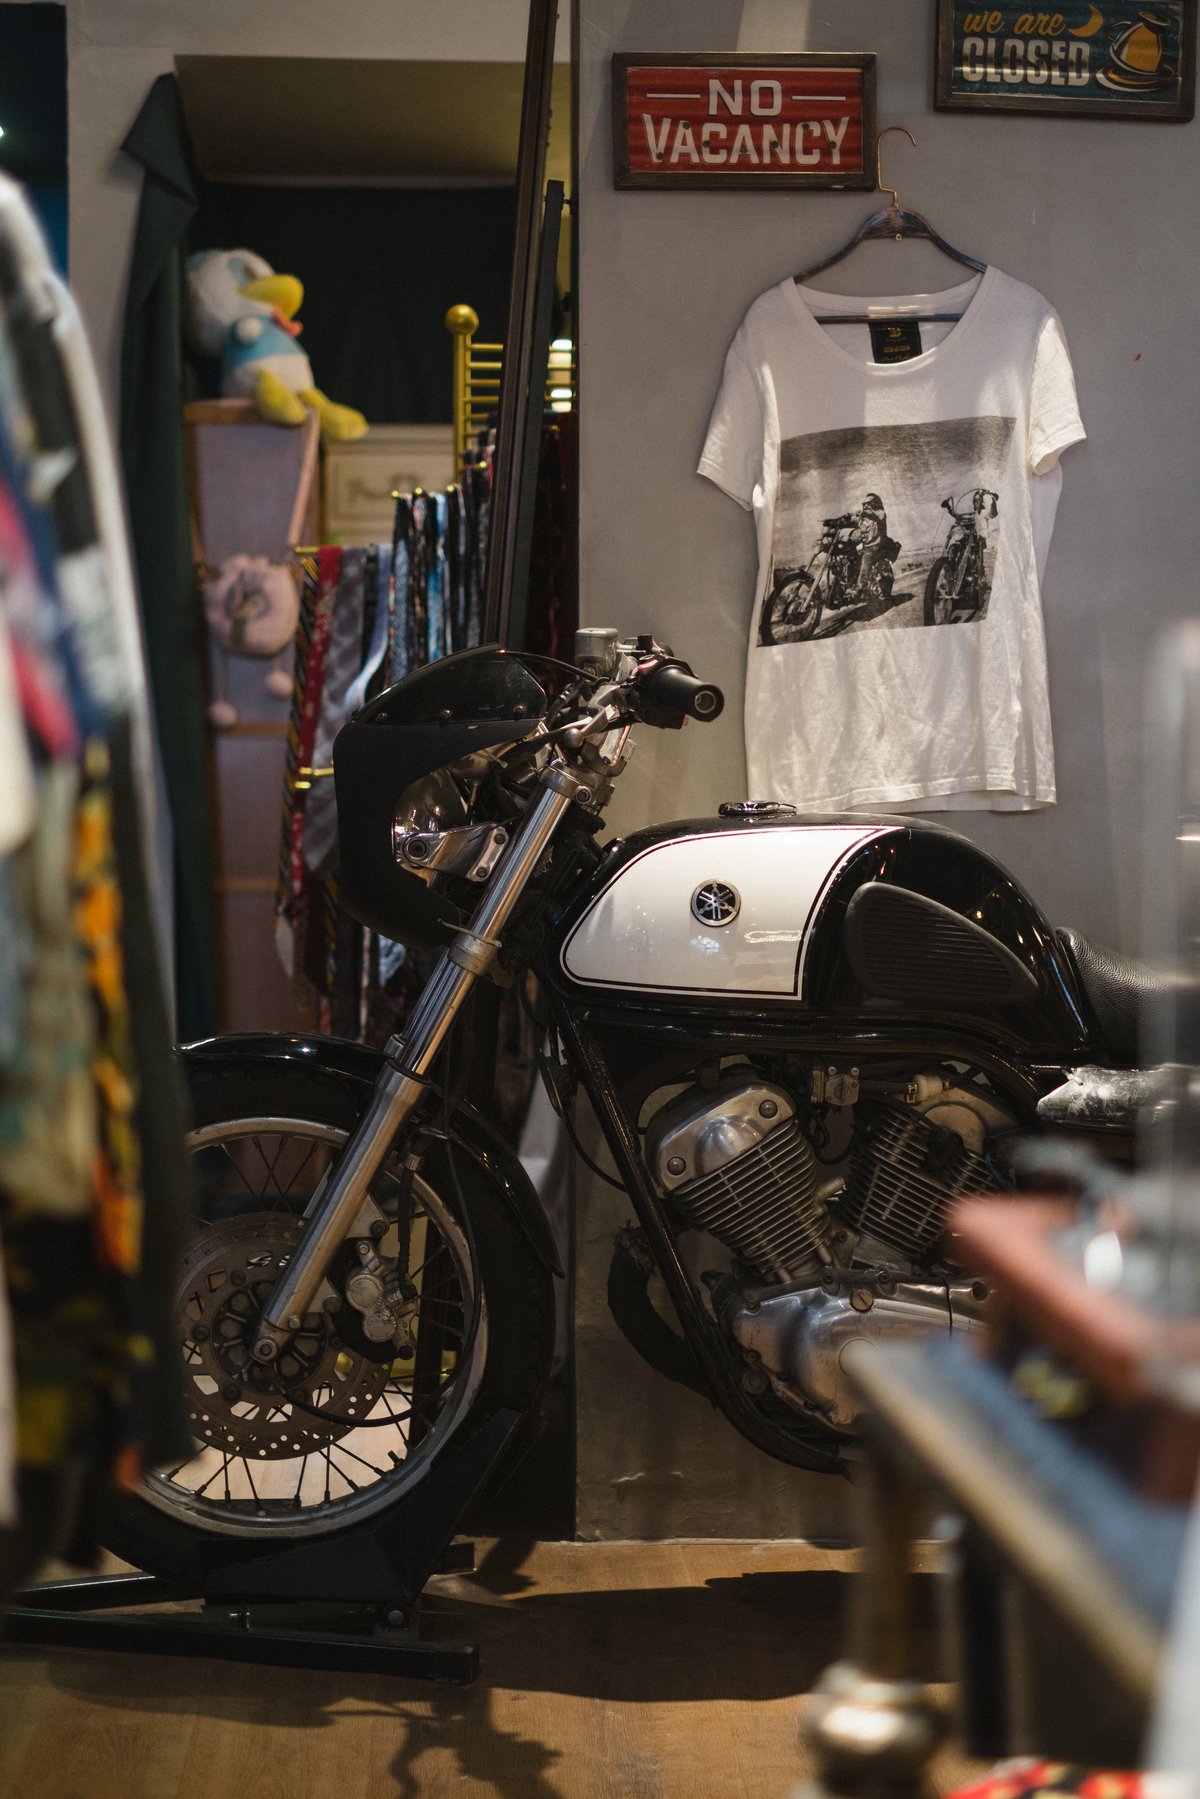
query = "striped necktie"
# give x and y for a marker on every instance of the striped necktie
(342, 662)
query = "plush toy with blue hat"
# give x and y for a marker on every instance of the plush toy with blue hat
(243, 315)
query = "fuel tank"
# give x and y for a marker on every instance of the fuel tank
(887, 917)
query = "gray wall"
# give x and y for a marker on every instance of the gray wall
(1101, 216)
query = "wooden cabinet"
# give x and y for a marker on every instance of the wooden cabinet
(359, 479)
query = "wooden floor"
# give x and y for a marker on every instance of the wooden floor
(638, 1669)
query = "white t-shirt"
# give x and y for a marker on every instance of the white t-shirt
(842, 459)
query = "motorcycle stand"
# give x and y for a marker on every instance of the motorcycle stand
(352, 1604)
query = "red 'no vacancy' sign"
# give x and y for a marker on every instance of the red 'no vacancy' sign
(805, 120)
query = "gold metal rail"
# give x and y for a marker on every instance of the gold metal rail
(477, 370)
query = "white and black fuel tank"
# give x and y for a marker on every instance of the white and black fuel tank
(758, 911)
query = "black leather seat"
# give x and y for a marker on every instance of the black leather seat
(1117, 986)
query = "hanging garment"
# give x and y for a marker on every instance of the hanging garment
(318, 598)
(343, 661)
(377, 613)
(152, 456)
(8, 1411)
(88, 1307)
(903, 510)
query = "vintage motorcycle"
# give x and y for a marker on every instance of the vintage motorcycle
(830, 580)
(802, 1037)
(957, 586)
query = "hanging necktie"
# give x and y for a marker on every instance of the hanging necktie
(418, 583)
(356, 693)
(341, 665)
(478, 493)
(398, 597)
(316, 619)
(436, 618)
(457, 563)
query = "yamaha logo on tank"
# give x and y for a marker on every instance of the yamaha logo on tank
(714, 903)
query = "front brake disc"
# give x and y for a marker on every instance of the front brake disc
(316, 1391)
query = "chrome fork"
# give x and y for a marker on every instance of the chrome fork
(408, 1059)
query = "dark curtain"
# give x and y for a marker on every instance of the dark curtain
(381, 267)
(152, 457)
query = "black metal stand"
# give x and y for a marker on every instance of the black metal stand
(348, 1603)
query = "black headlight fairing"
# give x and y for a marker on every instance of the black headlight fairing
(475, 700)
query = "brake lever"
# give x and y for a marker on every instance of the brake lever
(576, 734)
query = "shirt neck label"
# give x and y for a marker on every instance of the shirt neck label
(895, 340)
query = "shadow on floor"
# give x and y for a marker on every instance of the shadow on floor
(755, 1636)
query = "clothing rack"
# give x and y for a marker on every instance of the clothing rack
(476, 381)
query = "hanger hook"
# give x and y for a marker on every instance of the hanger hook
(880, 184)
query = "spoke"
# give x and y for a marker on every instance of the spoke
(223, 1469)
(428, 1419)
(363, 1462)
(245, 1460)
(396, 1417)
(437, 1250)
(219, 1184)
(309, 1153)
(299, 1482)
(270, 1167)
(187, 1461)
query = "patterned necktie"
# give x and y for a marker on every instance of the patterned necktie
(356, 693)
(342, 662)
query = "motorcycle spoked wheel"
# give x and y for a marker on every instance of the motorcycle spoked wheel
(940, 598)
(334, 1435)
(793, 611)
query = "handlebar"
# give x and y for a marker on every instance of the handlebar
(671, 688)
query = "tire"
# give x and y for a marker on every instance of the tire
(939, 593)
(793, 611)
(359, 1428)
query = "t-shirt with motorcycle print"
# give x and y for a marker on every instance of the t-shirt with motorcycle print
(835, 564)
(903, 512)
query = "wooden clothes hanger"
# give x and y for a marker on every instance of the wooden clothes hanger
(898, 222)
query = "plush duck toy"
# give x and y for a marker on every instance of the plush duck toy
(243, 314)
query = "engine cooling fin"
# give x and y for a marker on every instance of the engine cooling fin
(903, 1176)
(763, 1204)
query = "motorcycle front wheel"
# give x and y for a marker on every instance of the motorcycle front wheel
(940, 598)
(793, 611)
(341, 1428)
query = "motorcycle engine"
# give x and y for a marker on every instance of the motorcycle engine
(818, 1263)
(736, 1163)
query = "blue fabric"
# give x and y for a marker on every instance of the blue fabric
(398, 612)
(272, 340)
(437, 619)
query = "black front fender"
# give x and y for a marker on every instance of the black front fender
(354, 1068)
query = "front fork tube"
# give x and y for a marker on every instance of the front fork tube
(404, 1078)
